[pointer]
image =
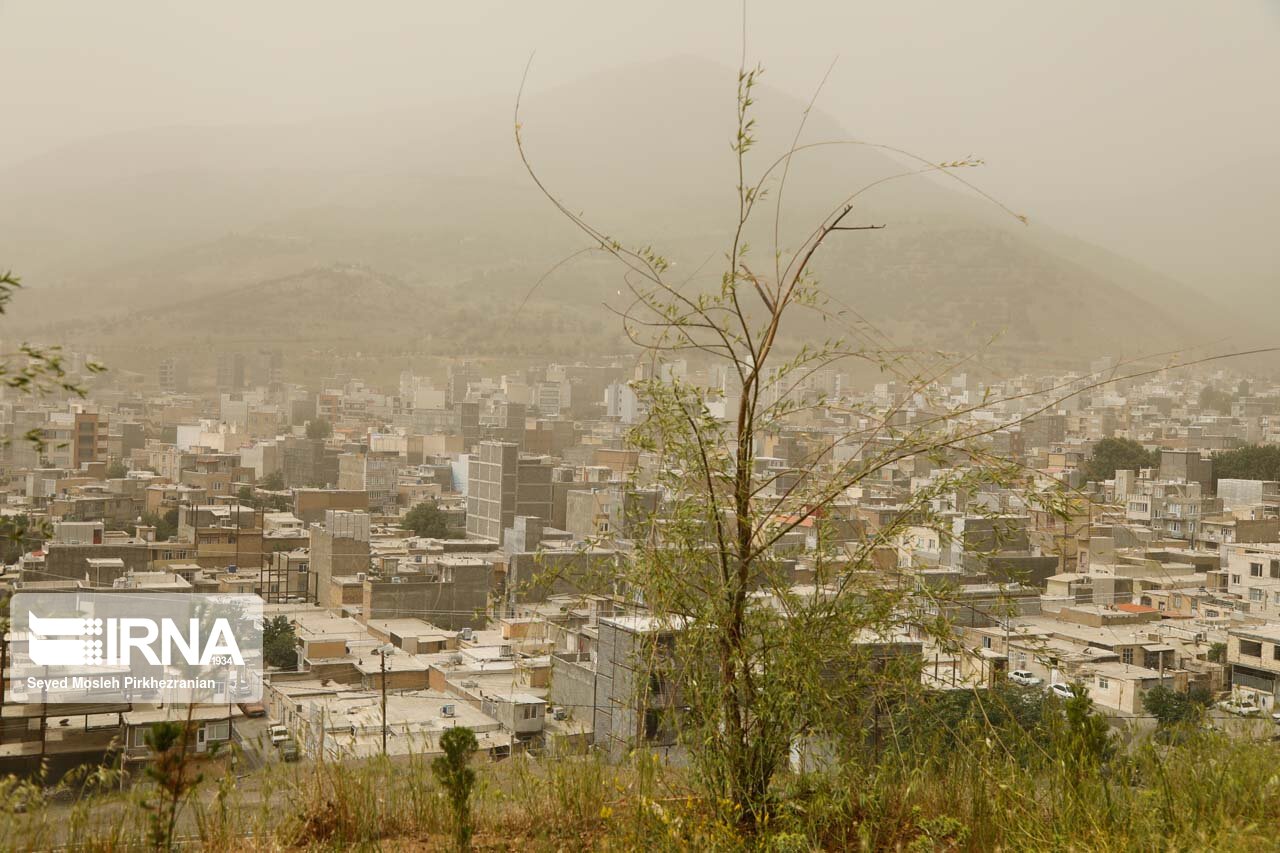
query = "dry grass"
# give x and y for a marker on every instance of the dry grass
(1208, 793)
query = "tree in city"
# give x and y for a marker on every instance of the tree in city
(1086, 741)
(24, 534)
(1252, 462)
(455, 774)
(1217, 653)
(429, 521)
(273, 482)
(116, 470)
(1118, 454)
(320, 429)
(1170, 707)
(1213, 400)
(168, 770)
(280, 643)
(166, 524)
(755, 662)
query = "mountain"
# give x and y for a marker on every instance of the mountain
(418, 232)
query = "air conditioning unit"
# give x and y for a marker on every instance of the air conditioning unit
(505, 651)
(448, 711)
(360, 576)
(559, 713)
(397, 579)
(467, 634)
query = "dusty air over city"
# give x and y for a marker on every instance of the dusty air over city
(640, 426)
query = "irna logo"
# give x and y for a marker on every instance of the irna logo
(75, 641)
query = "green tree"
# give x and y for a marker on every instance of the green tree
(1253, 462)
(319, 429)
(116, 470)
(166, 525)
(756, 663)
(454, 772)
(280, 643)
(1217, 653)
(168, 743)
(1118, 454)
(24, 534)
(273, 482)
(428, 520)
(1170, 708)
(1086, 742)
(1214, 400)
(245, 496)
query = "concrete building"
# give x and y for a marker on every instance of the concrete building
(310, 505)
(339, 548)
(1254, 655)
(1253, 573)
(451, 592)
(374, 473)
(90, 439)
(502, 484)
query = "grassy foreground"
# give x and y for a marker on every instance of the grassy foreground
(1204, 793)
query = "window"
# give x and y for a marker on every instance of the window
(1255, 570)
(220, 730)
(1126, 655)
(1275, 569)
(1275, 651)
(1235, 579)
(1255, 594)
(1248, 648)
(530, 712)
(140, 736)
(1103, 684)
(986, 642)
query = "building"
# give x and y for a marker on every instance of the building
(1253, 574)
(339, 548)
(374, 473)
(450, 591)
(1254, 655)
(90, 439)
(310, 505)
(502, 484)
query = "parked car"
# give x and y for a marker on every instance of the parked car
(1275, 718)
(1062, 691)
(279, 734)
(289, 750)
(1240, 707)
(253, 709)
(1024, 677)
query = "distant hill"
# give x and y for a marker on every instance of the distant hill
(419, 233)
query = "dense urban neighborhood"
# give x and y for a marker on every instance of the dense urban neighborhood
(452, 544)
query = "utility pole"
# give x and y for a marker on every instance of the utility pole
(382, 657)
(4, 669)
(382, 652)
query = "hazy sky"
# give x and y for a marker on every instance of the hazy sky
(1150, 126)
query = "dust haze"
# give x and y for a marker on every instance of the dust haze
(162, 153)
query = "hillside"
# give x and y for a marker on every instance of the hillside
(252, 231)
